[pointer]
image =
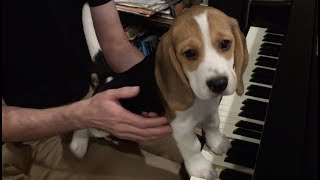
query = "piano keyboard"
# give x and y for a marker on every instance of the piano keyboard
(242, 117)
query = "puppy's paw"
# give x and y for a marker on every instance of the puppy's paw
(78, 146)
(97, 133)
(201, 168)
(219, 144)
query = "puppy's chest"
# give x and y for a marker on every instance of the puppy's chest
(204, 108)
(201, 109)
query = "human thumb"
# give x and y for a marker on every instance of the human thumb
(125, 92)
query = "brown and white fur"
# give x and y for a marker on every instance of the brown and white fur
(183, 80)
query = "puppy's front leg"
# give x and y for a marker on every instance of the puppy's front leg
(183, 132)
(217, 142)
(79, 143)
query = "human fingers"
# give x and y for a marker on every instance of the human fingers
(131, 137)
(137, 138)
(152, 115)
(143, 122)
(144, 132)
(144, 114)
(149, 114)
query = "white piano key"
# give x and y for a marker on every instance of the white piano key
(263, 67)
(272, 57)
(275, 33)
(255, 36)
(234, 98)
(280, 44)
(231, 115)
(219, 161)
(254, 42)
(233, 121)
(247, 84)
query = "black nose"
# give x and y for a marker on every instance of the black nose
(218, 84)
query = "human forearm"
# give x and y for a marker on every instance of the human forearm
(24, 124)
(120, 54)
(102, 111)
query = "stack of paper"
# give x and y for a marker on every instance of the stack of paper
(150, 4)
(144, 7)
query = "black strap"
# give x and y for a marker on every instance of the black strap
(141, 74)
(94, 3)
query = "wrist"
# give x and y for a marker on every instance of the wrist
(74, 113)
(123, 56)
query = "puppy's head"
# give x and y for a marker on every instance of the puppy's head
(203, 55)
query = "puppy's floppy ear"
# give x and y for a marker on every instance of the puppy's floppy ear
(241, 55)
(170, 77)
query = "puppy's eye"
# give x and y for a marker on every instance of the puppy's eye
(224, 45)
(190, 54)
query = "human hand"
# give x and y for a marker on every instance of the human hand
(104, 111)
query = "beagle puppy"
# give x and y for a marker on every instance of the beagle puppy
(201, 58)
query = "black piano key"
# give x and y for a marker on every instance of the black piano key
(247, 133)
(263, 58)
(276, 30)
(258, 91)
(270, 50)
(267, 52)
(249, 125)
(249, 155)
(242, 155)
(244, 149)
(254, 108)
(258, 74)
(258, 115)
(264, 64)
(271, 46)
(253, 112)
(254, 102)
(261, 80)
(241, 143)
(273, 38)
(274, 51)
(268, 76)
(267, 62)
(228, 174)
(252, 105)
(263, 71)
(240, 160)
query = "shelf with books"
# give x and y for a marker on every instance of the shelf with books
(144, 39)
(144, 31)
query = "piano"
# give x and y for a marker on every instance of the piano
(273, 127)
